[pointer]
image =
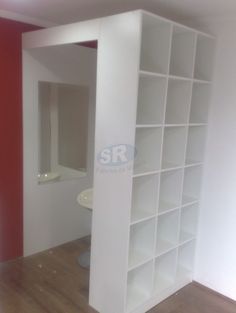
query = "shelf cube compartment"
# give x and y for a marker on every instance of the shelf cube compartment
(155, 46)
(188, 222)
(165, 271)
(174, 145)
(192, 184)
(196, 144)
(204, 58)
(182, 52)
(141, 245)
(148, 149)
(167, 232)
(178, 101)
(200, 103)
(139, 286)
(170, 190)
(151, 100)
(144, 197)
(185, 265)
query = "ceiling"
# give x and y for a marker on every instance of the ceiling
(66, 11)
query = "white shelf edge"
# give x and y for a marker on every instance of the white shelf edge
(176, 125)
(148, 125)
(176, 77)
(170, 210)
(144, 73)
(186, 241)
(146, 173)
(144, 219)
(139, 264)
(190, 203)
(157, 255)
(170, 125)
(202, 81)
(194, 164)
(178, 167)
(178, 245)
(164, 170)
(197, 124)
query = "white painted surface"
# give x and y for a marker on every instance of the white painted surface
(216, 253)
(117, 87)
(52, 215)
(61, 35)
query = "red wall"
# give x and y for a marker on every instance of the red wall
(11, 161)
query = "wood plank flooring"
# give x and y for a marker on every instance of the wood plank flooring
(53, 282)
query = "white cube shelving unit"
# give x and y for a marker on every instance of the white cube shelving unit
(153, 88)
(171, 123)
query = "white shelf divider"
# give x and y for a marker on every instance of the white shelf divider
(188, 224)
(174, 146)
(139, 286)
(192, 184)
(167, 232)
(182, 52)
(170, 190)
(200, 103)
(144, 197)
(151, 100)
(178, 101)
(155, 46)
(141, 246)
(148, 150)
(196, 144)
(165, 271)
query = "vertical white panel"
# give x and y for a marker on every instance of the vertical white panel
(117, 87)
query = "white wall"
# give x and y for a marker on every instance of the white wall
(216, 250)
(51, 213)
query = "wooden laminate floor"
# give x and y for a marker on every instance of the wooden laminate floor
(53, 282)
